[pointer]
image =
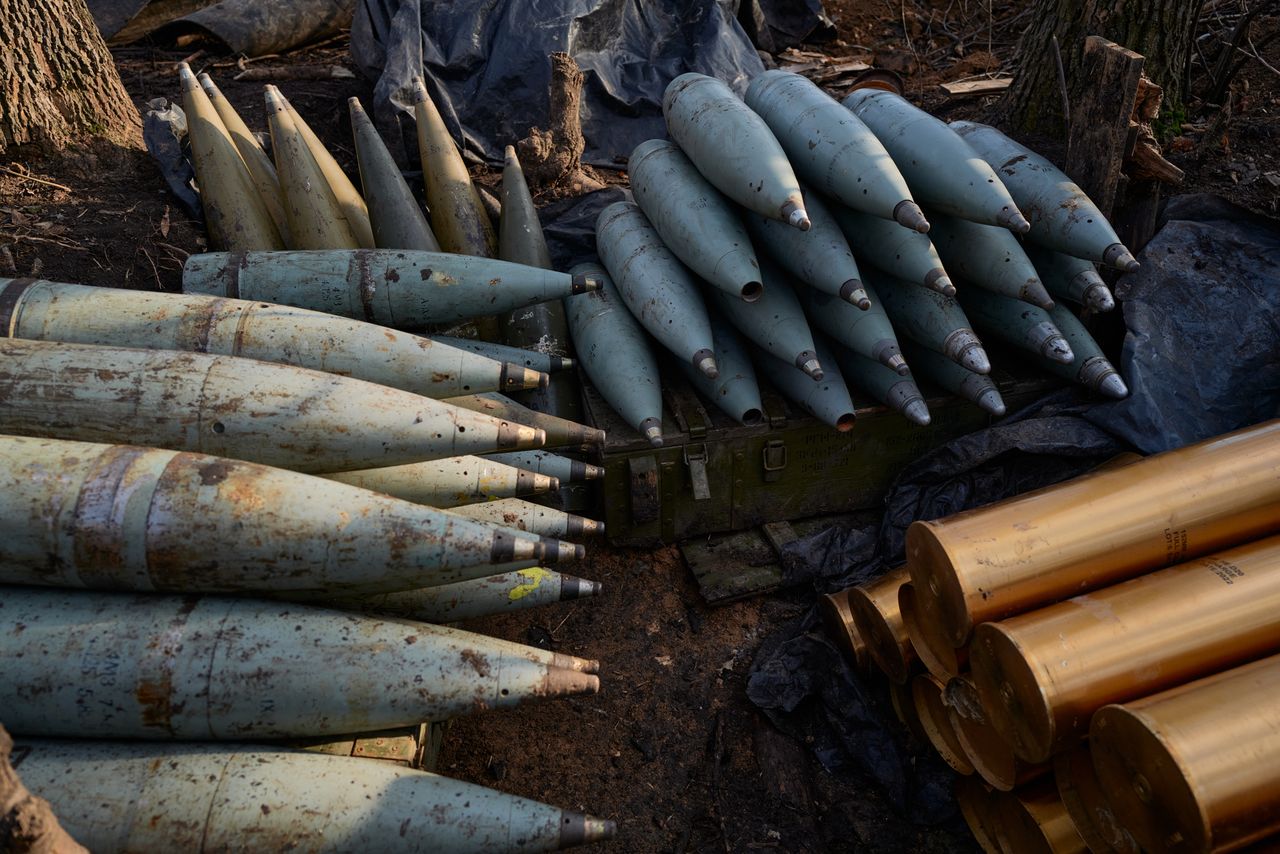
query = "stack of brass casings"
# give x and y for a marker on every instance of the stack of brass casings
(1096, 652)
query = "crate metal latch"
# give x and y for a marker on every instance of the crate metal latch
(695, 457)
(775, 459)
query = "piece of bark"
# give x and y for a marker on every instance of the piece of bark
(27, 822)
(552, 157)
(1100, 115)
(972, 88)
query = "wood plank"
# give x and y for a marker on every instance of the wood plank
(973, 88)
(1102, 100)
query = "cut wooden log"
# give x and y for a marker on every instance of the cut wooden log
(1100, 115)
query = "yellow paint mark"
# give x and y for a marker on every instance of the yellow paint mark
(535, 578)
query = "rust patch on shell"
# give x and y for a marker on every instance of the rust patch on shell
(478, 662)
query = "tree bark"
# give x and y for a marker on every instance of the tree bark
(60, 84)
(1160, 30)
(27, 824)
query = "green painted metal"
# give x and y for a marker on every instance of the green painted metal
(866, 332)
(1017, 323)
(452, 482)
(943, 172)
(735, 391)
(233, 407)
(398, 288)
(458, 218)
(929, 318)
(826, 399)
(732, 147)
(1062, 216)
(775, 322)
(615, 353)
(660, 292)
(560, 432)
(78, 514)
(895, 391)
(898, 251)
(229, 797)
(220, 668)
(546, 462)
(235, 215)
(532, 359)
(1070, 278)
(80, 314)
(978, 388)
(831, 149)
(700, 226)
(1089, 366)
(819, 257)
(396, 220)
(535, 518)
(987, 256)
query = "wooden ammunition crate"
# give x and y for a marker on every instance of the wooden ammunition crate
(714, 475)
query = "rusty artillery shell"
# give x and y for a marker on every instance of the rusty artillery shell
(926, 692)
(1043, 673)
(192, 667)
(987, 751)
(700, 226)
(1195, 768)
(149, 519)
(79, 314)
(1032, 819)
(559, 431)
(1089, 366)
(1087, 805)
(532, 359)
(660, 292)
(349, 199)
(890, 388)
(398, 288)
(842, 631)
(535, 518)
(566, 470)
(230, 797)
(874, 605)
(987, 256)
(832, 149)
(517, 590)
(928, 644)
(944, 173)
(902, 253)
(734, 389)
(450, 482)
(234, 212)
(820, 257)
(458, 217)
(977, 806)
(775, 322)
(615, 353)
(931, 319)
(732, 147)
(1067, 277)
(317, 220)
(1017, 323)
(826, 400)
(396, 220)
(866, 332)
(960, 381)
(1062, 217)
(274, 414)
(261, 170)
(996, 561)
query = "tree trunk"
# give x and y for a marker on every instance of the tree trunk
(1160, 30)
(27, 824)
(60, 82)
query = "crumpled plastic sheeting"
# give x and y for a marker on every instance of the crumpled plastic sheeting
(775, 25)
(164, 131)
(1202, 352)
(569, 226)
(251, 27)
(487, 69)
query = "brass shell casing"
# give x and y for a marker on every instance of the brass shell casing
(930, 644)
(1087, 805)
(987, 751)
(1033, 820)
(842, 631)
(926, 692)
(874, 605)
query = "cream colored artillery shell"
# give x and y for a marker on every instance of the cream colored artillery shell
(535, 518)
(316, 218)
(458, 218)
(221, 797)
(119, 517)
(450, 482)
(396, 219)
(560, 431)
(234, 212)
(874, 605)
(261, 170)
(79, 314)
(232, 407)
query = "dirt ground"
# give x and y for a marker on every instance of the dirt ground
(670, 749)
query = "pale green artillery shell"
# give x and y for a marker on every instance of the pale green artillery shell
(546, 462)
(532, 359)
(1089, 367)
(1013, 321)
(775, 322)
(866, 332)
(218, 797)
(941, 169)
(700, 226)
(1068, 277)
(880, 383)
(732, 147)
(560, 432)
(656, 287)
(614, 351)
(191, 667)
(820, 257)
(398, 288)
(1062, 215)
(829, 147)
(827, 400)
(931, 365)
(447, 483)
(535, 518)
(118, 517)
(735, 391)
(931, 319)
(80, 314)
(889, 247)
(396, 220)
(232, 407)
(987, 256)
(458, 218)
